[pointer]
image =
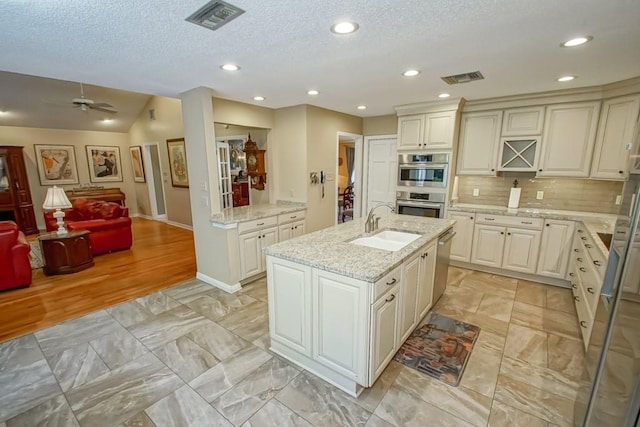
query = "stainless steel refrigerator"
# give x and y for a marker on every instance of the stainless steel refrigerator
(610, 391)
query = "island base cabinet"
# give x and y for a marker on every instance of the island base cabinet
(384, 330)
(340, 327)
(427, 282)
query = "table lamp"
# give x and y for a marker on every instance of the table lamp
(57, 199)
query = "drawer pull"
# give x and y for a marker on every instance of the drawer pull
(572, 274)
(470, 217)
(508, 234)
(294, 217)
(580, 231)
(489, 219)
(598, 263)
(576, 250)
(579, 259)
(526, 222)
(588, 246)
(391, 298)
(574, 286)
(577, 298)
(583, 238)
(547, 224)
(582, 269)
(583, 323)
(392, 282)
(590, 290)
(502, 232)
(260, 223)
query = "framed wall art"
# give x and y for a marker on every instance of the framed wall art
(104, 163)
(56, 164)
(137, 164)
(178, 162)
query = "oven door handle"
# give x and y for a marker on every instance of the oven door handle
(423, 166)
(420, 204)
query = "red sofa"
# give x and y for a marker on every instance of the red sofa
(15, 270)
(109, 224)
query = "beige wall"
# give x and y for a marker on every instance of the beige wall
(168, 125)
(380, 125)
(289, 154)
(559, 193)
(322, 147)
(239, 113)
(28, 137)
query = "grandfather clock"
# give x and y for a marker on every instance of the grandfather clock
(256, 169)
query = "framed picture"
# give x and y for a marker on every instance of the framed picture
(104, 163)
(136, 163)
(56, 164)
(178, 162)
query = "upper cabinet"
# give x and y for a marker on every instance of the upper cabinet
(615, 132)
(479, 139)
(430, 131)
(568, 139)
(523, 121)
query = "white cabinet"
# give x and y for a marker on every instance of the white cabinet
(426, 282)
(408, 296)
(523, 121)
(557, 238)
(521, 250)
(429, 131)
(615, 131)
(251, 244)
(384, 330)
(461, 243)
(340, 328)
(568, 140)
(488, 245)
(291, 230)
(289, 294)
(519, 154)
(479, 138)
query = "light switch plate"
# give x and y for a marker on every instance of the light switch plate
(540, 195)
(618, 199)
(476, 192)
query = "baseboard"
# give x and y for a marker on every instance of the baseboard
(180, 225)
(139, 215)
(218, 284)
(516, 275)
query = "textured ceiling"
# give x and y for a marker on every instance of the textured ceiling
(285, 47)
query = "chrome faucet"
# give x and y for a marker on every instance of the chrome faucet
(372, 220)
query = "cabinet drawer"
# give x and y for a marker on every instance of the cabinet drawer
(387, 282)
(597, 258)
(590, 284)
(290, 217)
(257, 224)
(585, 319)
(510, 221)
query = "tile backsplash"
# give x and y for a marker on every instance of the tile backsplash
(559, 193)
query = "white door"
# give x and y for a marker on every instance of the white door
(384, 319)
(155, 185)
(461, 242)
(382, 172)
(488, 243)
(521, 250)
(557, 238)
(425, 288)
(250, 253)
(289, 293)
(409, 296)
(479, 138)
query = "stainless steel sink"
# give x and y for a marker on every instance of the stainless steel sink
(388, 240)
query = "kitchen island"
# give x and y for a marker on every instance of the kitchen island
(341, 310)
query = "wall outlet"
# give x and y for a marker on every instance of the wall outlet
(476, 192)
(291, 192)
(540, 195)
(618, 199)
(203, 185)
(205, 201)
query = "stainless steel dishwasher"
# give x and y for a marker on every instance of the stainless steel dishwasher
(442, 263)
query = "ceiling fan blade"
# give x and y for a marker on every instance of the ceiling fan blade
(104, 110)
(102, 105)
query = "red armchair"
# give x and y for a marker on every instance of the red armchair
(15, 270)
(109, 224)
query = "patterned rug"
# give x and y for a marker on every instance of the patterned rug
(440, 348)
(35, 256)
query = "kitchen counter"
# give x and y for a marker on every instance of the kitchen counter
(594, 222)
(329, 250)
(232, 216)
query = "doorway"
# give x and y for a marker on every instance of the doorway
(232, 171)
(381, 169)
(348, 177)
(155, 185)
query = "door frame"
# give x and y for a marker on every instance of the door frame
(151, 185)
(357, 184)
(365, 163)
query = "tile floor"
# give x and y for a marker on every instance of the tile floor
(195, 356)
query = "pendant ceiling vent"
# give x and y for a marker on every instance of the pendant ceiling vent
(215, 14)
(463, 78)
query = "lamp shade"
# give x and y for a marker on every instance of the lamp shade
(56, 199)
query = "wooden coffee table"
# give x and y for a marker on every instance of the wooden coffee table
(66, 253)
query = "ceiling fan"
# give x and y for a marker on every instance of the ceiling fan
(86, 104)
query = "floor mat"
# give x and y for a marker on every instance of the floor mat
(440, 348)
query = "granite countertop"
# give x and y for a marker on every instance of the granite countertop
(249, 213)
(594, 222)
(328, 249)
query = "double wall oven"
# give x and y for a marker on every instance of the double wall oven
(430, 205)
(422, 183)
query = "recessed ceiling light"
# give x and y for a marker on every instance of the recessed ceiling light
(411, 73)
(344, 27)
(577, 41)
(107, 120)
(258, 98)
(230, 67)
(444, 95)
(362, 107)
(312, 92)
(566, 78)
(3, 112)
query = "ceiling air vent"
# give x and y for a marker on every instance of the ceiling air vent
(215, 14)
(463, 78)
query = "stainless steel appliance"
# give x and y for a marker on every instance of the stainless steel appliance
(423, 170)
(430, 205)
(610, 392)
(442, 263)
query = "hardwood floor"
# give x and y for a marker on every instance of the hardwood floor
(161, 256)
